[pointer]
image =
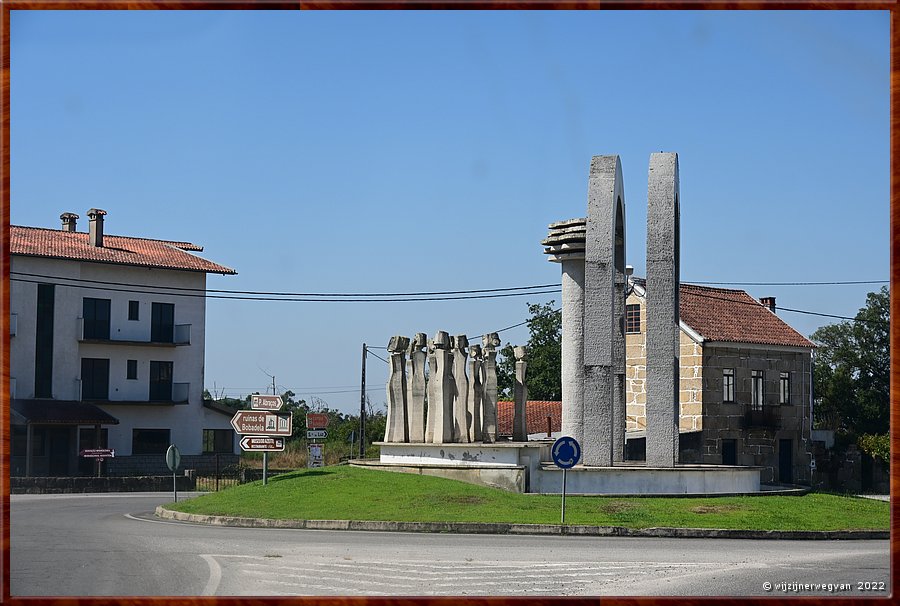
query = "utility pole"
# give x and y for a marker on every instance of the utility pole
(362, 406)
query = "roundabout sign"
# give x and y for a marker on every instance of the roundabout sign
(566, 452)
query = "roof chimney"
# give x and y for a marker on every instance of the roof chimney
(68, 221)
(768, 302)
(96, 227)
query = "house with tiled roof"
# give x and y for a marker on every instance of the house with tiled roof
(543, 419)
(107, 340)
(745, 382)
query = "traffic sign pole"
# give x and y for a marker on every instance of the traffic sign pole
(566, 453)
(265, 467)
(562, 521)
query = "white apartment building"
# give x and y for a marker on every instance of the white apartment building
(107, 338)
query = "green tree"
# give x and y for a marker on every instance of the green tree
(851, 371)
(544, 356)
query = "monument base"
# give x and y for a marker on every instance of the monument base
(526, 467)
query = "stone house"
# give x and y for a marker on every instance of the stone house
(745, 384)
(107, 340)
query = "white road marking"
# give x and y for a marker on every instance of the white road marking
(215, 575)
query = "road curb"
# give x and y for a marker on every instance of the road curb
(523, 529)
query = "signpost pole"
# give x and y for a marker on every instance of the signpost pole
(562, 522)
(174, 487)
(265, 467)
(362, 406)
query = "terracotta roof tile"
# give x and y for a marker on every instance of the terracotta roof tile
(121, 250)
(536, 413)
(720, 314)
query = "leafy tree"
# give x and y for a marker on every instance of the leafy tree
(851, 371)
(544, 356)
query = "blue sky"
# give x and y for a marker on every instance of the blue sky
(426, 151)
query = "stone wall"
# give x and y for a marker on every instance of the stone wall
(758, 437)
(690, 383)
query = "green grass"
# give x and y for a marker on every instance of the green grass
(349, 493)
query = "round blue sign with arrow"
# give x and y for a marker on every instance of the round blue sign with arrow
(566, 452)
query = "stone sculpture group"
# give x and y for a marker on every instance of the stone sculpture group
(592, 254)
(461, 395)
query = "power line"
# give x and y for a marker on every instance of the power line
(291, 294)
(789, 283)
(379, 357)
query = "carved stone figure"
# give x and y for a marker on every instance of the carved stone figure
(443, 390)
(491, 342)
(415, 378)
(520, 428)
(396, 428)
(460, 345)
(473, 412)
(433, 397)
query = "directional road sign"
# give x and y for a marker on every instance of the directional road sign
(316, 434)
(262, 423)
(566, 452)
(316, 420)
(262, 443)
(264, 402)
(98, 453)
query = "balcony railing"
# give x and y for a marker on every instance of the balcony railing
(767, 416)
(181, 335)
(180, 392)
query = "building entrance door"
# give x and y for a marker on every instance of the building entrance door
(729, 452)
(785, 462)
(59, 451)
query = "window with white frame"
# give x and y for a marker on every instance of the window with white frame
(756, 389)
(728, 385)
(784, 388)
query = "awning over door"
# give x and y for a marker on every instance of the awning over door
(58, 412)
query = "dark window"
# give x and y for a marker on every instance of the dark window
(784, 391)
(19, 441)
(728, 385)
(96, 318)
(43, 346)
(218, 440)
(149, 441)
(161, 381)
(756, 389)
(94, 379)
(131, 370)
(162, 323)
(134, 310)
(632, 319)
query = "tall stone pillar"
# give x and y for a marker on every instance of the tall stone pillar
(565, 244)
(520, 421)
(663, 278)
(396, 428)
(604, 257)
(491, 342)
(460, 345)
(415, 378)
(473, 414)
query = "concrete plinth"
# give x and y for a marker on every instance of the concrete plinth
(629, 480)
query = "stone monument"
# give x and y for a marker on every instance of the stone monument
(476, 379)
(460, 346)
(440, 402)
(490, 342)
(520, 421)
(396, 428)
(415, 393)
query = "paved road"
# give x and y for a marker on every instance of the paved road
(113, 545)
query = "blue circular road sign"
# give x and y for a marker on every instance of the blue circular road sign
(566, 452)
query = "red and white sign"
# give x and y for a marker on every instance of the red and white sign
(98, 453)
(264, 402)
(316, 420)
(262, 443)
(262, 423)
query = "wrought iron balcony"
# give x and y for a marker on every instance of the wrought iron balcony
(767, 416)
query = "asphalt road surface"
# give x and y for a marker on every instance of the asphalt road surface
(112, 544)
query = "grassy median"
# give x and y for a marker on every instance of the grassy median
(349, 493)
